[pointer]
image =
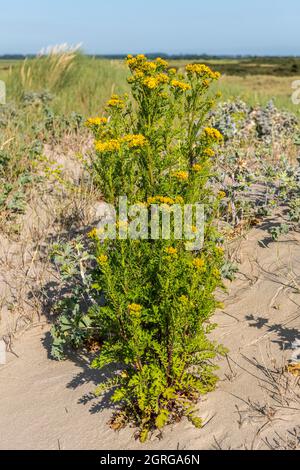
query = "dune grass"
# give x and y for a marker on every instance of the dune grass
(78, 83)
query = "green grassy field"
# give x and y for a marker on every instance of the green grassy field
(256, 81)
(260, 89)
(271, 66)
(83, 84)
(78, 84)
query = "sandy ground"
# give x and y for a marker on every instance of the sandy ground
(48, 405)
(53, 213)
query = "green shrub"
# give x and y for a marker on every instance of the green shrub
(154, 148)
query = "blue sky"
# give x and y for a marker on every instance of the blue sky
(172, 26)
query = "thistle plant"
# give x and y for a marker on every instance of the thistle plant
(155, 147)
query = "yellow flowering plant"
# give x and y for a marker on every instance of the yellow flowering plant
(143, 142)
(154, 147)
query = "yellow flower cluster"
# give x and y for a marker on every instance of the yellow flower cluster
(140, 62)
(202, 70)
(179, 200)
(149, 67)
(135, 62)
(180, 85)
(102, 260)
(165, 200)
(96, 121)
(162, 78)
(151, 83)
(221, 195)
(112, 145)
(171, 251)
(151, 73)
(196, 168)
(161, 200)
(135, 309)
(181, 175)
(115, 102)
(213, 134)
(93, 234)
(199, 263)
(138, 74)
(154, 81)
(163, 63)
(209, 152)
(183, 299)
(134, 140)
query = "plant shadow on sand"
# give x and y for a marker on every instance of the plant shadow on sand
(54, 291)
(94, 377)
(272, 409)
(285, 336)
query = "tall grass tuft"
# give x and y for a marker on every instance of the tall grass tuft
(78, 83)
(51, 70)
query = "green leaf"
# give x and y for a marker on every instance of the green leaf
(144, 435)
(85, 322)
(162, 419)
(196, 421)
(169, 393)
(65, 324)
(96, 286)
(119, 395)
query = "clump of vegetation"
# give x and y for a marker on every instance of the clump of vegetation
(75, 82)
(155, 147)
(74, 263)
(52, 69)
(276, 232)
(41, 93)
(236, 119)
(24, 130)
(256, 166)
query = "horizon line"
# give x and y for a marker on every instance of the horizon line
(156, 54)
